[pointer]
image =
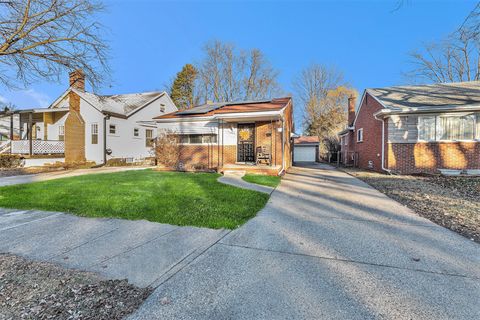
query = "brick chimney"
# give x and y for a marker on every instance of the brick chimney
(77, 80)
(351, 109)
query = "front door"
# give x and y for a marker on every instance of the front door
(246, 142)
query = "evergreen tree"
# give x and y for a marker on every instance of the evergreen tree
(183, 88)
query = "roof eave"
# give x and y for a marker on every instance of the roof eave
(385, 112)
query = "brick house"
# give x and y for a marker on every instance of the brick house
(252, 136)
(414, 129)
(81, 126)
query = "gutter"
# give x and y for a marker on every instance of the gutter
(441, 109)
(383, 145)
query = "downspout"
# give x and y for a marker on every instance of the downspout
(283, 147)
(105, 118)
(383, 145)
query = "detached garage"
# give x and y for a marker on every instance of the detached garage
(305, 149)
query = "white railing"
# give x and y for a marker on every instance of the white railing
(38, 147)
(4, 146)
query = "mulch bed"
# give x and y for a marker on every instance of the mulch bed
(24, 171)
(452, 202)
(40, 290)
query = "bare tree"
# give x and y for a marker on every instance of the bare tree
(315, 81)
(323, 95)
(227, 74)
(41, 38)
(453, 59)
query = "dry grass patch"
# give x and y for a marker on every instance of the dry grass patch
(452, 202)
(40, 290)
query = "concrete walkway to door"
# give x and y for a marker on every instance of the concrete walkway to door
(327, 246)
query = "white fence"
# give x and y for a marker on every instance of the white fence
(4, 146)
(38, 146)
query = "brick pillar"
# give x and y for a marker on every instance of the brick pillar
(74, 132)
(351, 109)
(77, 80)
(47, 119)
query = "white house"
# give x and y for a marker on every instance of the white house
(82, 126)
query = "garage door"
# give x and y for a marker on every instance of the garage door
(304, 154)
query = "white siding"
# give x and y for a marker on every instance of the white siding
(52, 129)
(123, 143)
(402, 129)
(227, 131)
(93, 152)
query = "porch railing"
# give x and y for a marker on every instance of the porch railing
(4, 146)
(38, 147)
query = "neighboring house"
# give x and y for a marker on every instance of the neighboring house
(306, 149)
(414, 129)
(248, 135)
(5, 127)
(83, 126)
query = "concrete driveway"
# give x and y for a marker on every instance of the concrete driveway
(143, 252)
(326, 246)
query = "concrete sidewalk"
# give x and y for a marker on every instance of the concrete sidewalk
(7, 181)
(143, 252)
(327, 246)
(234, 178)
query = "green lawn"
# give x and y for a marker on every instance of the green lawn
(194, 199)
(270, 181)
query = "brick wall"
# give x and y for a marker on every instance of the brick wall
(288, 150)
(199, 157)
(407, 158)
(267, 135)
(371, 147)
(74, 132)
(194, 157)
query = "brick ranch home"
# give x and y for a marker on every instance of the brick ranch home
(415, 129)
(252, 136)
(80, 126)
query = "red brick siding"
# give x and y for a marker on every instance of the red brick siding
(371, 147)
(214, 157)
(407, 158)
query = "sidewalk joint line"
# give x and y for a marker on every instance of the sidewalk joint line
(351, 261)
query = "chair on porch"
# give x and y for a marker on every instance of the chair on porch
(263, 155)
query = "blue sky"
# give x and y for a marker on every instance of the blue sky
(151, 40)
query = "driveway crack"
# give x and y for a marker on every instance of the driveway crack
(351, 261)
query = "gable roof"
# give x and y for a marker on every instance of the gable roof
(119, 104)
(405, 98)
(306, 140)
(211, 109)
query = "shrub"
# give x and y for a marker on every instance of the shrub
(10, 161)
(167, 149)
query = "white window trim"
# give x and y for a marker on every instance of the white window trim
(138, 135)
(202, 143)
(360, 133)
(93, 132)
(116, 130)
(436, 116)
(418, 128)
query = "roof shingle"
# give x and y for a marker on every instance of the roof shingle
(233, 107)
(428, 96)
